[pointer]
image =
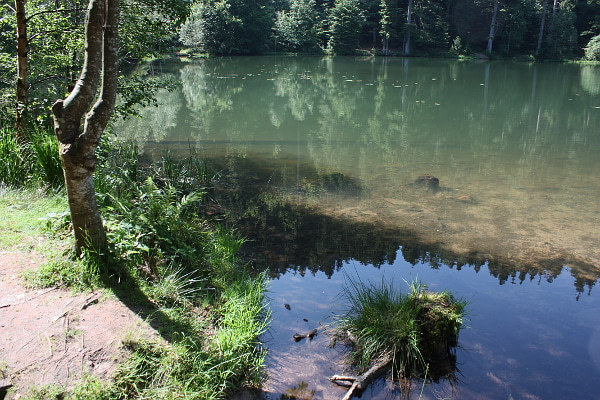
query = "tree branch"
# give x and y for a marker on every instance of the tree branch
(34, 36)
(100, 114)
(70, 110)
(54, 11)
(360, 383)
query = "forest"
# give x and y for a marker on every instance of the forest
(47, 55)
(42, 41)
(543, 29)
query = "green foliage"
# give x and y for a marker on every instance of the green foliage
(77, 273)
(14, 156)
(212, 28)
(296, 29)
(562, 36)
(228, 26)
(206, 304)
(385, 322)
(44, 146)
(55, 41)
(592, 50)
(345, 20)
(148, 27)
(29, 163)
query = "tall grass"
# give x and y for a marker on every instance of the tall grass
(15, 160)
(384, 322)
(30, 161)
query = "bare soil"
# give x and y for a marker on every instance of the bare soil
(53, 336)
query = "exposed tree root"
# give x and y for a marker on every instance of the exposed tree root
(360, 383)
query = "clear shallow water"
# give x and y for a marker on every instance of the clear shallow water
(318, 160)
(522, 341)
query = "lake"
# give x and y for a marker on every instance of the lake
(482, 178)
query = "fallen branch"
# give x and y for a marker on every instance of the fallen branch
(360, 383)
(309, 335)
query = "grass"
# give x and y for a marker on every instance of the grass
(25, 215)
(178, 268)
(413, 328)
(30, 162)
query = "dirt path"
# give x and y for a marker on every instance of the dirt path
(51, 336)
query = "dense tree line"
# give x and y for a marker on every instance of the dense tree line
(556, 29)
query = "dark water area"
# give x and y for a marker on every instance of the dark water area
(318, 163)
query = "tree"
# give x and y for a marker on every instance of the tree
(296, 28)
(21, 92)
(492, 28)
(409, 11)
(212, 28)
(345, 21)
(542, 25)
(229, 26)
(49, 47)
(592, 50)
(77, 143)
(385, 23)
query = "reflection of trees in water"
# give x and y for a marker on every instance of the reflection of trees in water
(401, 108)
(153, 123)
(286, 234)
(504, 120)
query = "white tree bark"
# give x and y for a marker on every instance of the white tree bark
(77, 144)
(492, 28)
(408, 22)
(542, 25)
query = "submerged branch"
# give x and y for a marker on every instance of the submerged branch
(360, 383)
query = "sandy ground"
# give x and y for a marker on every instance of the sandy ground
(52, 336)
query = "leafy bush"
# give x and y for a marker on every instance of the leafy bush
(296, 29)
(15, 159)
(592, 50)
(24, 161)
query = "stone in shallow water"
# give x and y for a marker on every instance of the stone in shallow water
(428, 181)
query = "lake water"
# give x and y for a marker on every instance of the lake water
(319, 161)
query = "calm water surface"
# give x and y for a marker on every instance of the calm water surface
(318, 160)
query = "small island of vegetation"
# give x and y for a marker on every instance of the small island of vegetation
(410, 334)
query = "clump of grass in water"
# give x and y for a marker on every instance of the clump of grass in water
(414, 329)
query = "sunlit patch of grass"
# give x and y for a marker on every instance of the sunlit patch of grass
(24, 214)
(80, 273)
(200, 364)
(411, 328)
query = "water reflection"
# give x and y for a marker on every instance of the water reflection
(318, 160)
(521, 341)
(513, 145)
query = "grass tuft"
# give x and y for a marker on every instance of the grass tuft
(415, 329)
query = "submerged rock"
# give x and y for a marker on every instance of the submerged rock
(429, 181)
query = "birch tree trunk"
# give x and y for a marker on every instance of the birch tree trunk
(77, 144)
(21, 89)
(542, 25)
(408, 22)
(492, 28)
